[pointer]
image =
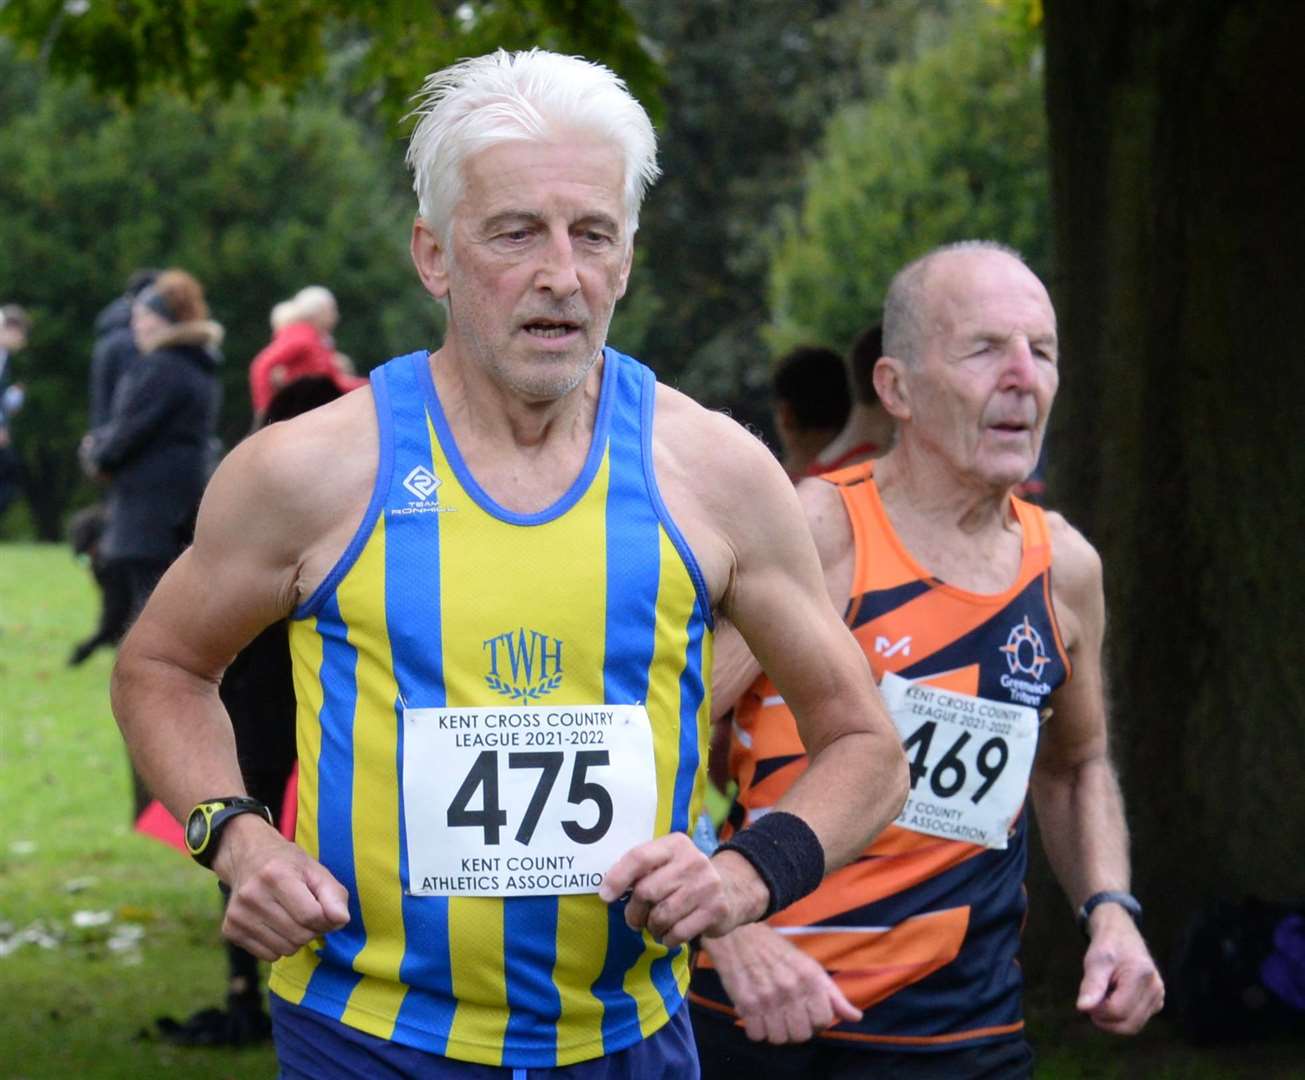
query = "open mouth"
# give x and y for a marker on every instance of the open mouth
(550, 328)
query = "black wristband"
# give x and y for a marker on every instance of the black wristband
(1127, 901)
(786, 854)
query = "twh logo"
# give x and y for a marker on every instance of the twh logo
(524, 664)
(421, 482)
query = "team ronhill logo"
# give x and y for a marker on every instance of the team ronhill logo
(524, 665)
(422, 482)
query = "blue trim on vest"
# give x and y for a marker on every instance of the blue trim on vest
(384, 468)
(573, 494)
(333, 979)
(648, 397)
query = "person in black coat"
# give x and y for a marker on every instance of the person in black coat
(115, 346)
(154, 450)
(258, 692)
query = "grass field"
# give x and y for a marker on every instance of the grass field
(102, 930)
(77, 998)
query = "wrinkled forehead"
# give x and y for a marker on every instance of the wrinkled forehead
(986, 292)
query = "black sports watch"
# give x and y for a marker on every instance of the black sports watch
(1125, 900)
(204, 826)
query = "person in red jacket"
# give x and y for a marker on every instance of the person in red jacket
(301, 347)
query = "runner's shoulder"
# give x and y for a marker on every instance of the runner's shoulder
(304, 471)
(713, 452)
(1076, 565)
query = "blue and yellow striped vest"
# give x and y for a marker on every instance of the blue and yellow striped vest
(436, 572)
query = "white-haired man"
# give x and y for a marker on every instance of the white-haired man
(301, 348)
(905, 963)
(501, 564)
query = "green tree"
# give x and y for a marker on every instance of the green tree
(130, 47)
(955, 148)
(748, 87)
(1177, 172)
(254, 197)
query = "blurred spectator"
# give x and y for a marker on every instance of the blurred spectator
(115, 347)
(259, 696)
(153, 449)
(14, 325)
(869, 429)
(301, 347)
(85, 529)
(809, 403)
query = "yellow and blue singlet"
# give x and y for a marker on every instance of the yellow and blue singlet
(435, 574)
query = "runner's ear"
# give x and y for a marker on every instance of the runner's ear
(891, 386)
(430, 258)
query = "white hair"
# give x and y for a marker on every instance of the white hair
(283, 314)
(310, 304)
(531, 95)
(314, 300)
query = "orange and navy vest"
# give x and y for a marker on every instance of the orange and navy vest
(445, 599)
(921, 933)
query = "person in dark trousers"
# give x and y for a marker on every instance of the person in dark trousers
(153, 452)
(259, 695)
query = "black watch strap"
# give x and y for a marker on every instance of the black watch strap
(204, 826)
(1108, 896)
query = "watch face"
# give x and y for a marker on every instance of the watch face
(196, 830)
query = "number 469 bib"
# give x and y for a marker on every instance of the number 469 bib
(970, 760)
(530, 801)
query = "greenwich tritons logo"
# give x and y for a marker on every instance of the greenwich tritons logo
(1025, 655)
(524, 665)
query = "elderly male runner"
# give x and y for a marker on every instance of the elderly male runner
(501, 564)
(906, 960)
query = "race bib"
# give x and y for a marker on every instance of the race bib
(530, 801)
(970, 760)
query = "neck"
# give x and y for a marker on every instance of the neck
(478, 406)
(524, 454)
(963, 534)
(917, 485)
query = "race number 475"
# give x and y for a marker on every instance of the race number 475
(482, 786)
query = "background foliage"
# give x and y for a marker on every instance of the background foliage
(255, 198)
(954, 148)
(261, 176)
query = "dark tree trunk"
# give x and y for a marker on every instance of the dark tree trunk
(1178, 193)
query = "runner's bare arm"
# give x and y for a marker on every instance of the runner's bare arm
(779, 992)
(746, 528)
(1079, 804)
(781, 598)
(734, 667)
(245, 570)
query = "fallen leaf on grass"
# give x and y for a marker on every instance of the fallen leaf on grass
(37, 933)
